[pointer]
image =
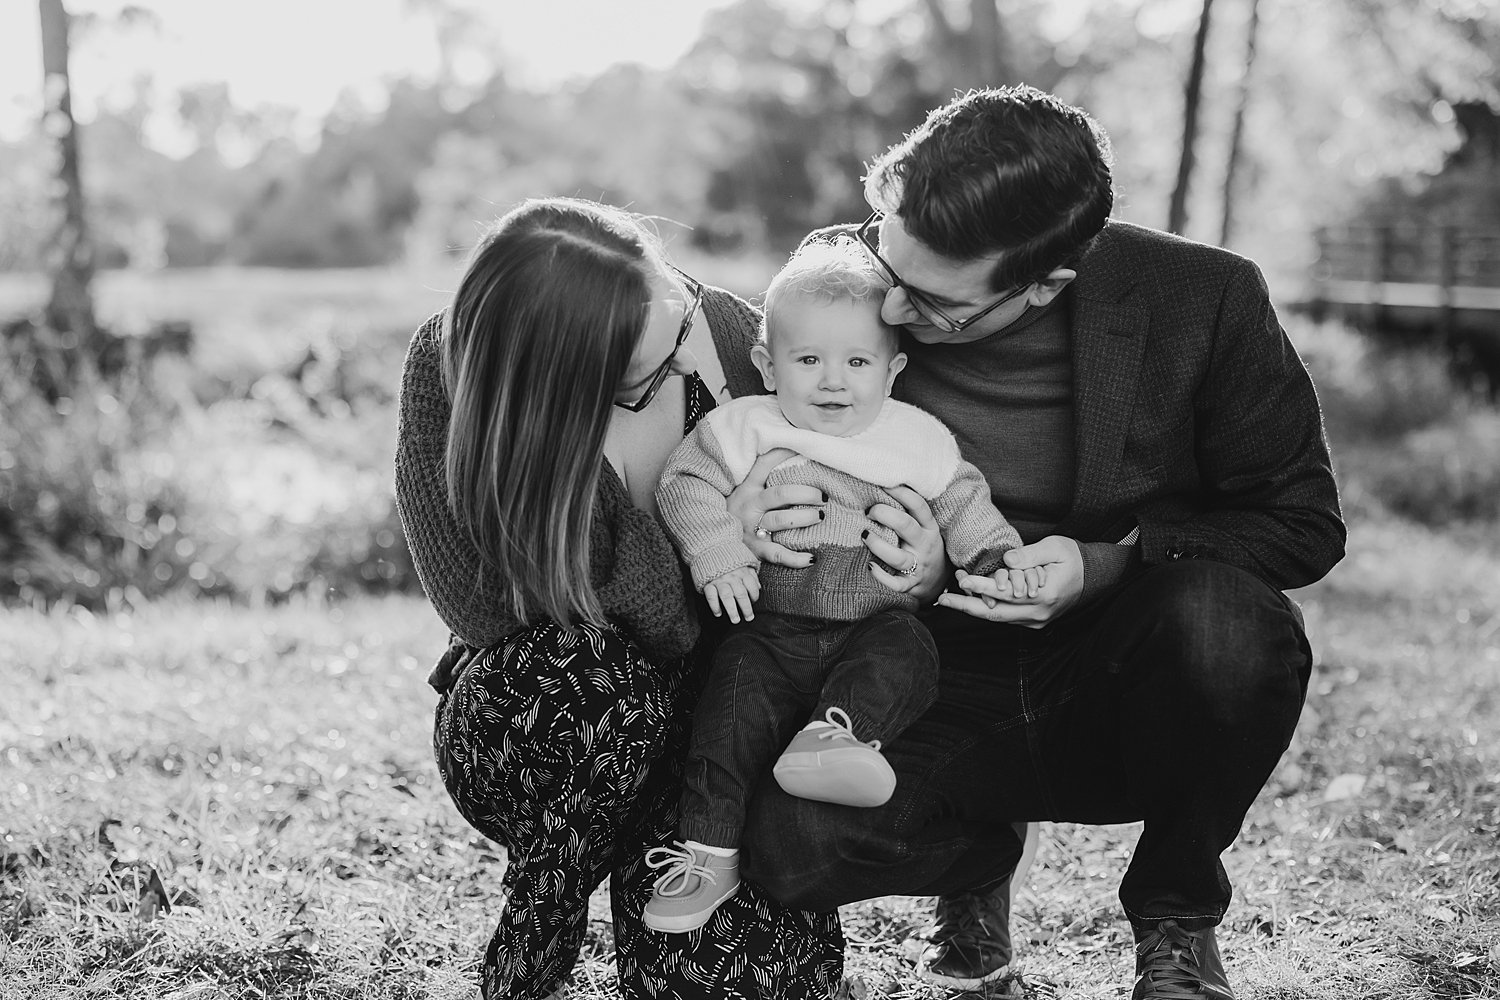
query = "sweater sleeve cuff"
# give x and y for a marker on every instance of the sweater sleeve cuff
(714, 562)
(1104, 565)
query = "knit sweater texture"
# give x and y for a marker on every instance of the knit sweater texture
(633, 567)
(903, 446)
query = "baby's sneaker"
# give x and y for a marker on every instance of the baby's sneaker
(825, 762)
(697, 879)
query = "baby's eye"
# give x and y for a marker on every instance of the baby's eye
(808, 359)
(859, 362)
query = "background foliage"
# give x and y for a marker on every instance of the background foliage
(759, 132)
(302, 266)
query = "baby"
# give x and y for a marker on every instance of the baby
(828, 662)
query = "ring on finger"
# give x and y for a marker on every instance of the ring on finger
(910, 570)
(761, 533)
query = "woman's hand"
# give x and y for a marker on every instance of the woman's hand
(920, 561)
(763, 511)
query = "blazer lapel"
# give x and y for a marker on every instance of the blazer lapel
(1109, 340)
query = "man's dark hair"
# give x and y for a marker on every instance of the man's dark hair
(1009, 170)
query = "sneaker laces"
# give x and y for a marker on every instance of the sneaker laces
(839, 725)
(962, 917)
(682, 863)
(1168, 959)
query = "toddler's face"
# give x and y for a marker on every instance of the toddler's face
(831, 364)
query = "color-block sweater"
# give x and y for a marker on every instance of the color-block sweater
(905, 446)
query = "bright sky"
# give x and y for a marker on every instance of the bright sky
(303, 53)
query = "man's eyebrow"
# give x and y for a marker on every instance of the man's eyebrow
(933, 297)
(944, 300)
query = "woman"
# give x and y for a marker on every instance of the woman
(537, 412)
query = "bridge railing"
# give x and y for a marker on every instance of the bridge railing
(1440, 271)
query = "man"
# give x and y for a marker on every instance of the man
(1144, 422)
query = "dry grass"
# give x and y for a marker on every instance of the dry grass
(266, 772)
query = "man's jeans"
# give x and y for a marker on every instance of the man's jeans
(774, 673)
(1169, 701)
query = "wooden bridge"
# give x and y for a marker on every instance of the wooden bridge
(1440, 279)
(1416, 284)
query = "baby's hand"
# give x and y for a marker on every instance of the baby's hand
(734, 593)
(1021, 584)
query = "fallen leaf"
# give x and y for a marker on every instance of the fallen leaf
(153, 902)
(1345, 786)
(1443, 913)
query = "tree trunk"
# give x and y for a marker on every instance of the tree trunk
(1237, 130)
(976, 57)
(990, 64)
(1177, 213)
(68, 256)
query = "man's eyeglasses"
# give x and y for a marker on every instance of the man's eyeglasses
(695, 288)
(928, 309)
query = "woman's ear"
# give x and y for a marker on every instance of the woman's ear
(762, 360)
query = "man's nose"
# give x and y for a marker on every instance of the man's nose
(896, 308)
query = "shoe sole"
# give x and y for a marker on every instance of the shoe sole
(927, 975)
(842, 777)
(682, 923)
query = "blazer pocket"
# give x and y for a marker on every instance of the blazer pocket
(1162, 457)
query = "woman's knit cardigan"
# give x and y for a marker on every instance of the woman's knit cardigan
(633, 566)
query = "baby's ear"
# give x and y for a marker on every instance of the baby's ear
(897, 364)
(761, 358)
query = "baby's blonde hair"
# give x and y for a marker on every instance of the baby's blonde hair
(829, 270)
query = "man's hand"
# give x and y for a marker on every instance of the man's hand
(734, 594)
(985, 597)
(762, 512)
(920, 551)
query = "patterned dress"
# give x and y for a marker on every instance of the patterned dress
(566, 747)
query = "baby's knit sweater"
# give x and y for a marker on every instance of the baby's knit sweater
(905, 446)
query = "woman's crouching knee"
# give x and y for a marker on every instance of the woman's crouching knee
(550, 714)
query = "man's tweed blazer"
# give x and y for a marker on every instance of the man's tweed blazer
(1196, 419)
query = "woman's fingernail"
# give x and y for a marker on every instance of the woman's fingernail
(811, 558)
(820, 515)
(864, 534)
(825, 496)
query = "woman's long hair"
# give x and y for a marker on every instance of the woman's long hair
(550, 309)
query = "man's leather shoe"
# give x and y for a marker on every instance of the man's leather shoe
(1176, 964)
(970, 943)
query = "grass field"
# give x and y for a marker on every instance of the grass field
(203, 801)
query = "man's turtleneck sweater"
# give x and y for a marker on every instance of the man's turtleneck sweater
(1008, 399)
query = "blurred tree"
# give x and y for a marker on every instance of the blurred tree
(69, 254)
(347, 204)
(976, 54)
(1192, 98)
(1237, 127)
(796, 102)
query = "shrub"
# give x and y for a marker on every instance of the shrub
(1370, 391)
(90, 502)
(128, 487)
(1445, 473)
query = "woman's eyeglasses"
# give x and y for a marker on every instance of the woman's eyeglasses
(928, 309)
(695, 288)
